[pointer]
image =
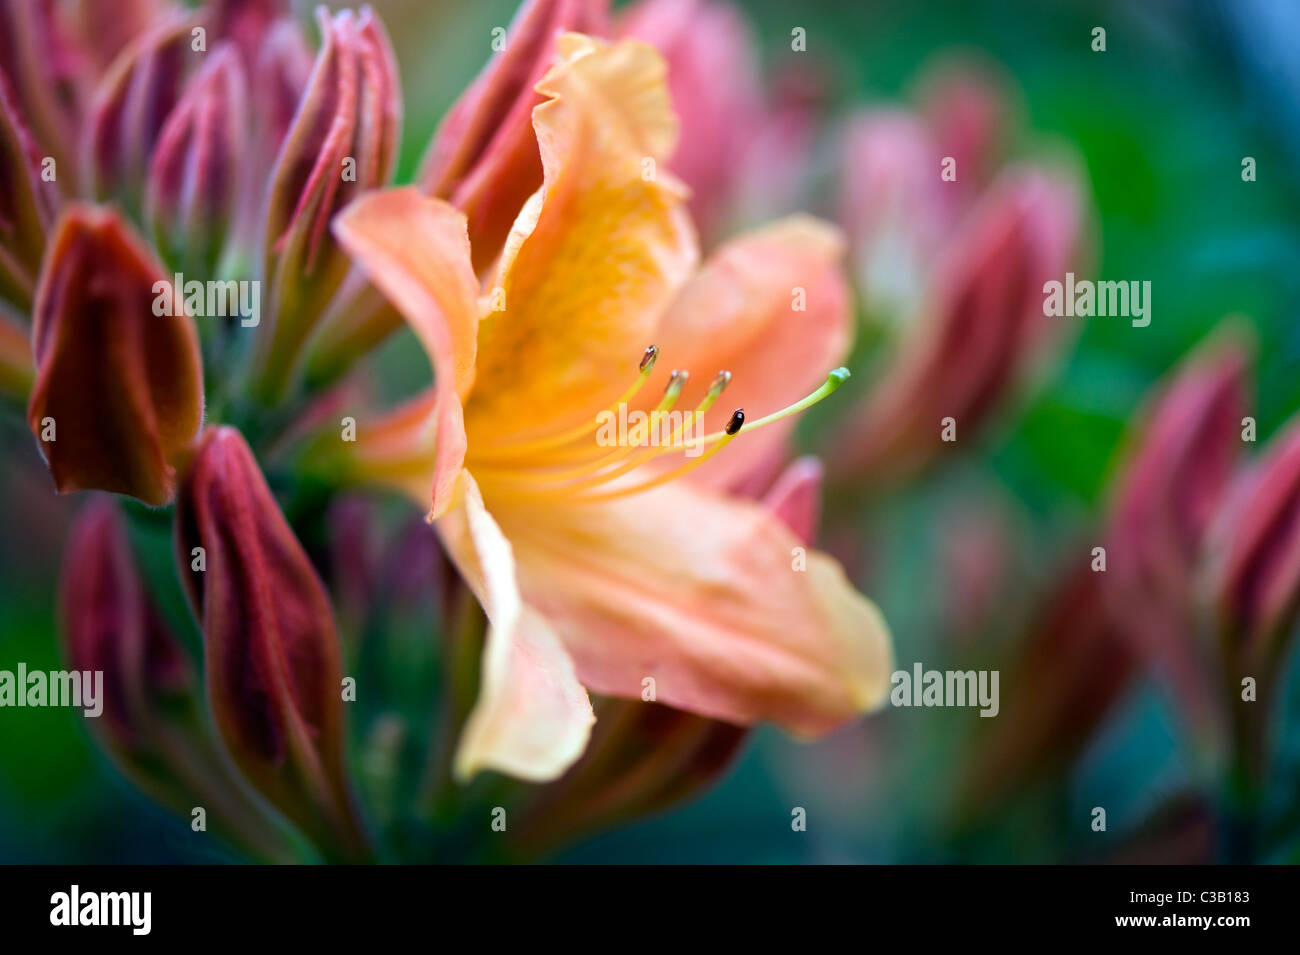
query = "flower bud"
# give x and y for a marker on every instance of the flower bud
(980, 328)
(343, 142)
(891, 206)
(1254, 570)
(151, 722)
(272, 655)
(247, 23)
(1172, 484)
(279, 75)
(196, 187)
(27, 204)
(796, 497)
(969, 105)
(118, 395)
(484, 157)
(130, 107)
(105, 29)
(110, 627)
(714, 83)
(38, 58)
(1259, 581)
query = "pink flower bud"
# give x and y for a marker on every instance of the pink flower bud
(1173, 483)
(130, 107)
(39, 59)
(343, 142)
(118, 395)
(1258, 568)
(272, 655)
(484, 157)
(968, 104)
(105, 29)
(110, 627)
(196, 186)
(247, 23)
(27, 204)
(714, 83)
(980, 328)
(151, 722)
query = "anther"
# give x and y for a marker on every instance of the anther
(737, 420)
(675, 384)
(648, 359)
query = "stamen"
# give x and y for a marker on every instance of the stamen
(583, 430)
(732, 429)
(648, 359)
(599, 471)
(576, 484)
(833, 381)
(673, 390)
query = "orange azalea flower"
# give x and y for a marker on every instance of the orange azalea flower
(598, 567)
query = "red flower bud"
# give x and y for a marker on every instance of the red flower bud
(343, 142)
(247, 23)
(130, 107)
(105, 29)
(969, 104)
(279, 72)
(27, 204)
(1255, 571)
(38, 58)
(1259, 581)
(196, 189)
(272, 655)
(151, 722)
(982, 326)
(119, 388)
(110, 627)
(1173, 483)
(714, 82)
(484, 157)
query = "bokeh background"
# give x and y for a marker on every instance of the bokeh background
(1160, 123)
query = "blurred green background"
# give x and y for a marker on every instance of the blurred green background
(1162, 120)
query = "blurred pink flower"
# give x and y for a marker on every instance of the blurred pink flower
(716, 91)
(951, 268)
(1175, 478)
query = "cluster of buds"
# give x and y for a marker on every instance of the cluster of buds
(1194, 580)
(158, 163)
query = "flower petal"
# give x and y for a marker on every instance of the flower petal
(596, 254)
(533, 717)
(415, 249)
(710, 597)
(484, 156)
(741, 314)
